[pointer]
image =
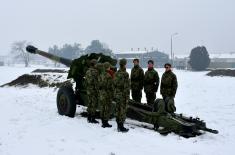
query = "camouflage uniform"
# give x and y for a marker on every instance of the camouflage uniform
(137, 83)
(122, 94)
(168, 90)
(92, 90)
(151, 83)
(106, 92)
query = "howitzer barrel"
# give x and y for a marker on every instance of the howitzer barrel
(210, 130)
(34, 50)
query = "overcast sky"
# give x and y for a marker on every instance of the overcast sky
(122, 24)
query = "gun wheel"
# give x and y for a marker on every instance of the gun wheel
(66, 103)
(63, 103)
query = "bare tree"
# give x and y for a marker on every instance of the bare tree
(18, 50)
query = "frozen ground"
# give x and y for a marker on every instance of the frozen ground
(30, 123)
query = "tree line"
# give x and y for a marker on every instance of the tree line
(70, 51)
(75, 50)
(199, 57)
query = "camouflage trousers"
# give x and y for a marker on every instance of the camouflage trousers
(150, 96)
(105, 105)
(121, 107)
(136, 95)
(159, 106)
(169, 104)
(92, 104)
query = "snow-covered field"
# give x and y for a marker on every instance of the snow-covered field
(30, 123)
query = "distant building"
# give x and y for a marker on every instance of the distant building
(218, 60)
(181, 63)
(159, 58)
(225, 60)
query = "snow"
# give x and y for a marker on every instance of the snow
(30, 123)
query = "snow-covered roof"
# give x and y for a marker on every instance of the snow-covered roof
(181, 55)
(129, 58)
(212, 55)
(222, 55)
(130, 52)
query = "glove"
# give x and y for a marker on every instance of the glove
(114, 102)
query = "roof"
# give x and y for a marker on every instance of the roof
(212, 55)
(182, 55)
(223, 55)
(130, 52)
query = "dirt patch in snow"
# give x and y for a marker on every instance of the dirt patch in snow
(222, 72)
(26, 79)
(49, 71)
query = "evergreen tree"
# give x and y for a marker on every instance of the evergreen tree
(98, 47)
(199, 58)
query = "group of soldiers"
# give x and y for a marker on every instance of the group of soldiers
(105, 86)
(149, 81)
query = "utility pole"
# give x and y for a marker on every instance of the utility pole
(172, 54)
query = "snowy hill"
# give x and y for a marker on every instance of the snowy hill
(30, 123)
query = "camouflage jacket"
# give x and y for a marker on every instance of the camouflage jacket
(106, 84)
(122, 83)
(151, 80)
(168, 84)
(137, 78)
(91, 81)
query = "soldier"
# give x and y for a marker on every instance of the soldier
(106, 93)
(92, 91)
(151, 83)
(168, 88)
(137, 81)
(122, 94)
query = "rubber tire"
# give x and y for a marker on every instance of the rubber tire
(67, 94)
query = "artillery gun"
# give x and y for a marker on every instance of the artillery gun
(68, 99)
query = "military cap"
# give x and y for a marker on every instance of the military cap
(167, 64)
(151, 61)
(93, 62)
(122, 62)
(106, 65)
(136, 59)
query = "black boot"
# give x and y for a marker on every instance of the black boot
(121, 128)
(89, 119)
(105, 124)
(93, 120)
